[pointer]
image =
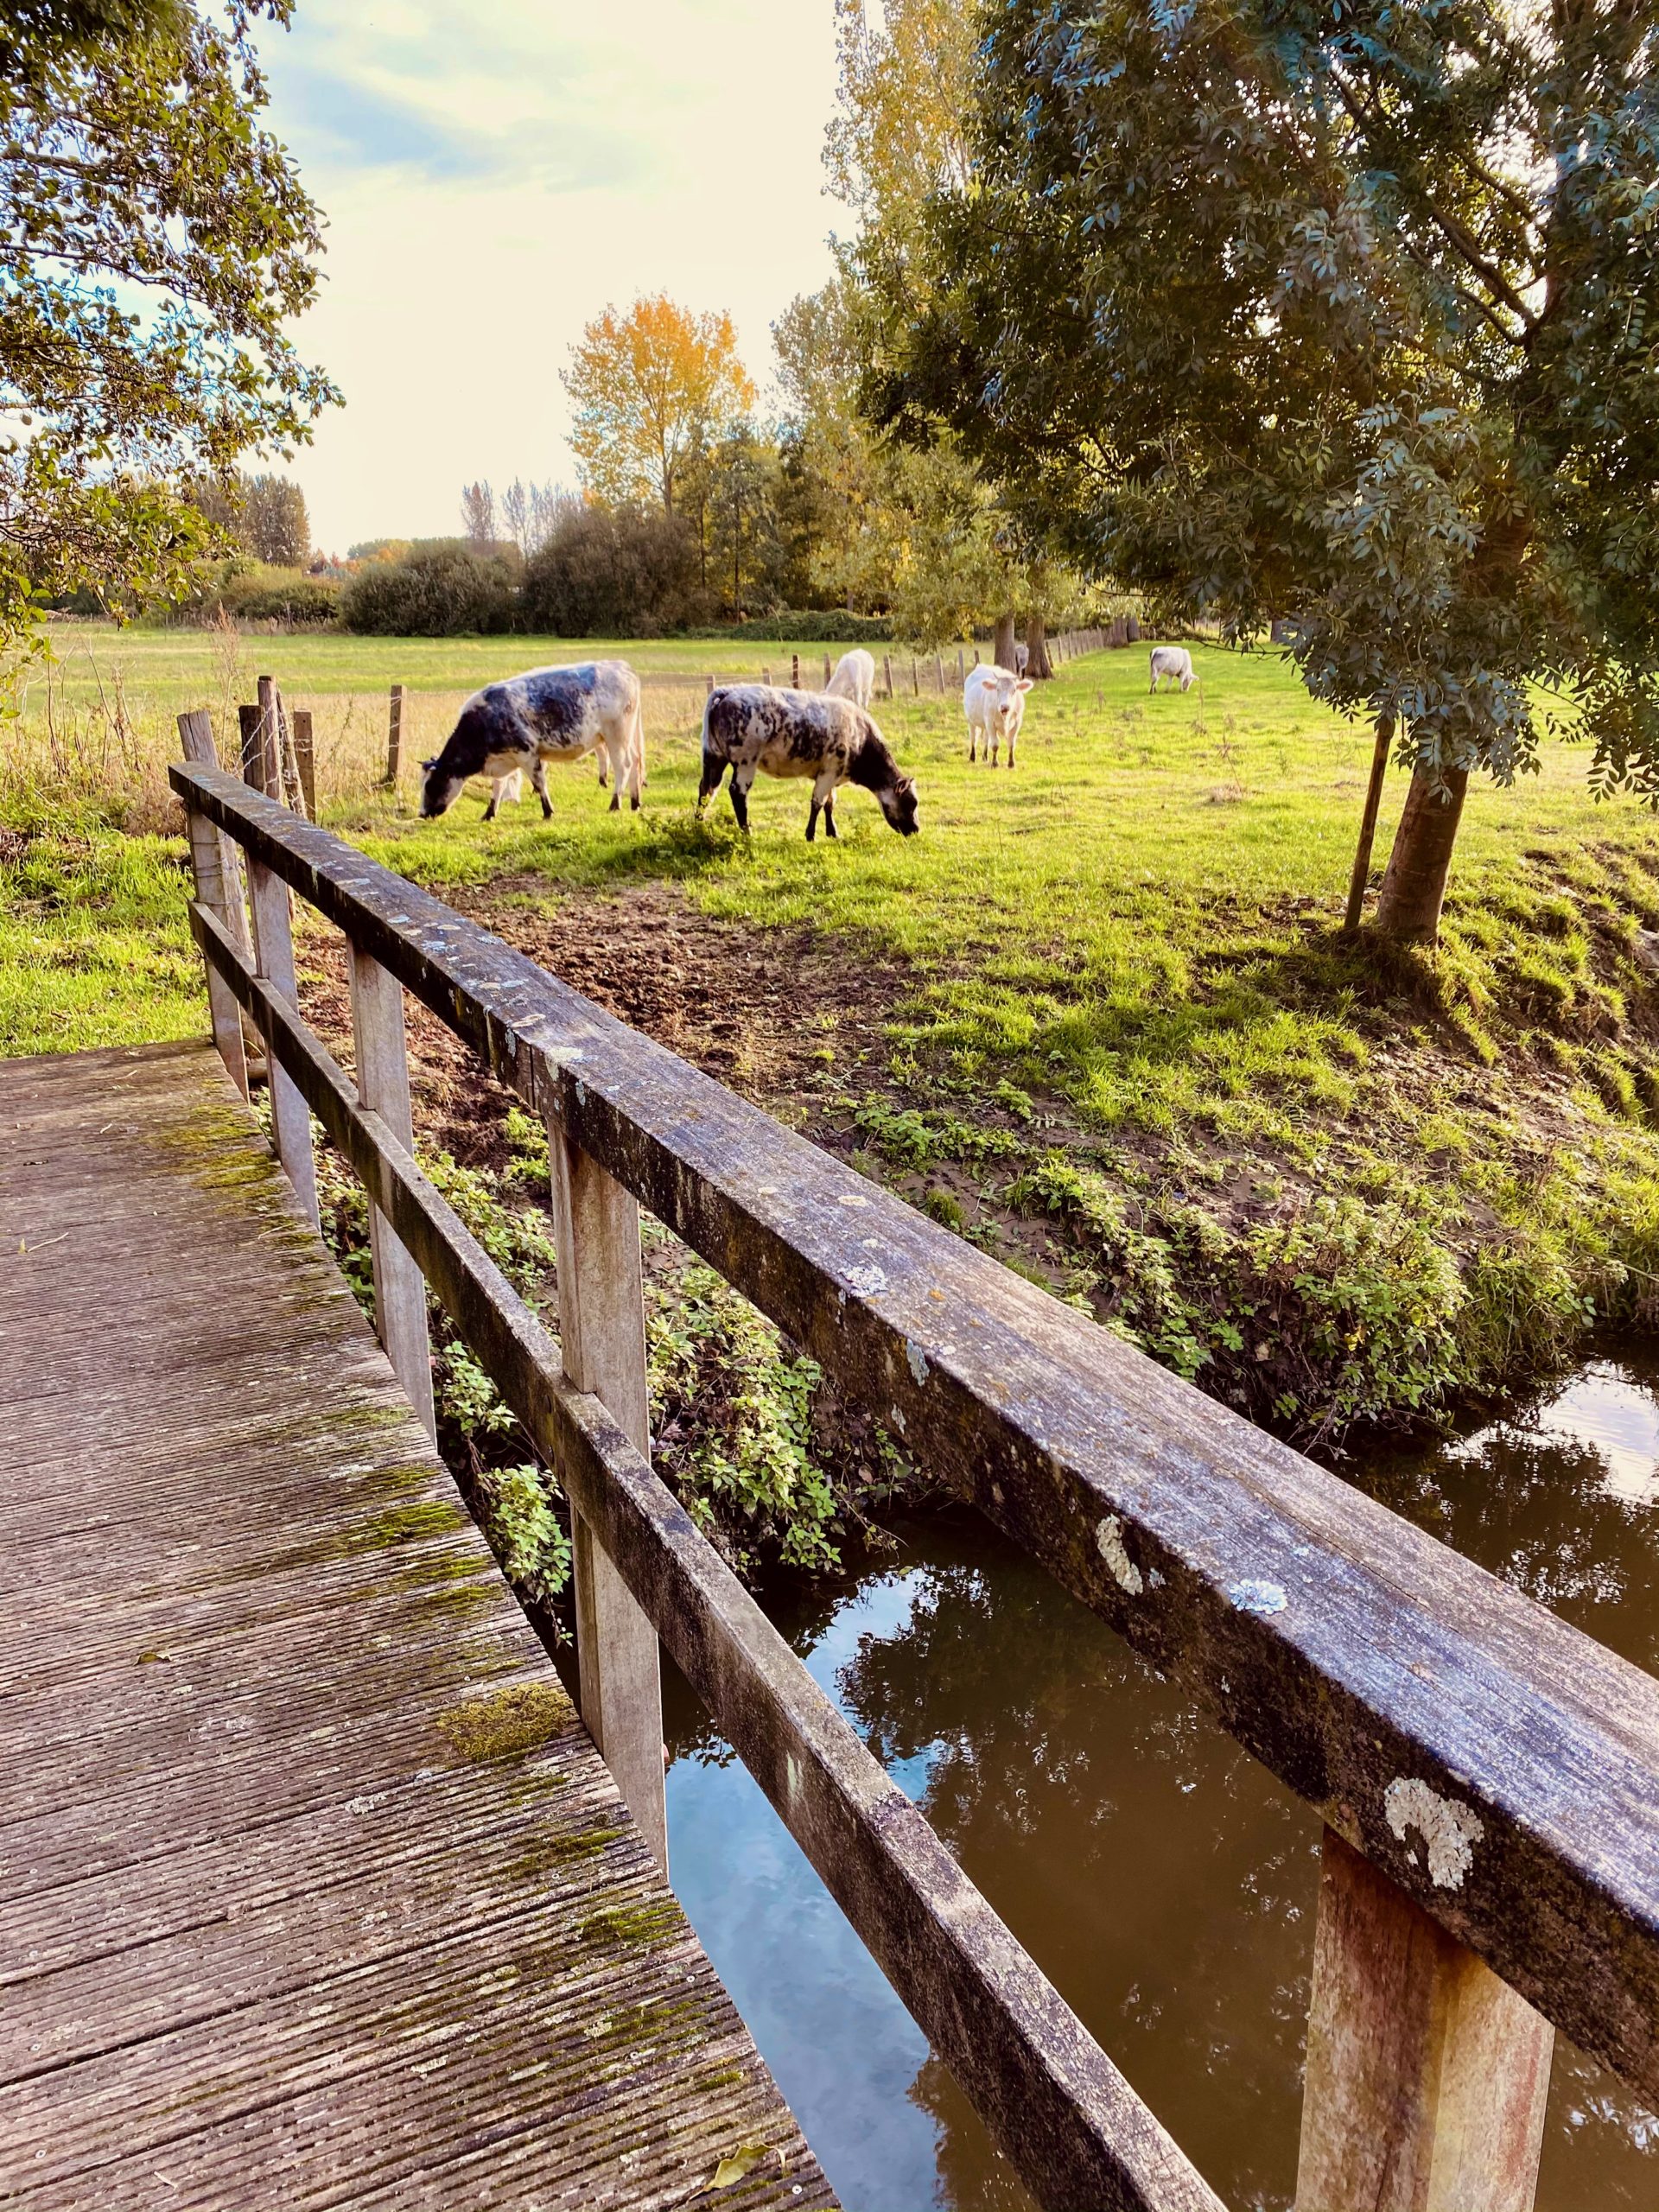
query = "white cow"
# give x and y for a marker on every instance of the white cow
(1174, 662)
(855, 677)
(994, 700)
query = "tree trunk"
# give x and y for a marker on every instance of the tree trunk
(1414, 890)
(1037, 645)
(1361, 875)
(1003, 643)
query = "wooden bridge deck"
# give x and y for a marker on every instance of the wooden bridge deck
(313, 1889)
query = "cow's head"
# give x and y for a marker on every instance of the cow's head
(1008, 699)
(898, 802)
(440, 789)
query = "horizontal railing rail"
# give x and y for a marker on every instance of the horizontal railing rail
(1499, 1768)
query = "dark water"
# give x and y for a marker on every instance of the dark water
(1160, 1877)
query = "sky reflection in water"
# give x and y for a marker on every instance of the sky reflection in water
(1163, 1880)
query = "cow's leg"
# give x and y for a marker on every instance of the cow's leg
(973, 740)
(742, 780)
(823, 801)
(538, 784)
(830, 815)
(713, 769)
(495, 800)
(1013, 734)
(812, 813)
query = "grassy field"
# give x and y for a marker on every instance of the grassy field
(1131, 1052)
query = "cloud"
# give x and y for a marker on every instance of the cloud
(493, 174)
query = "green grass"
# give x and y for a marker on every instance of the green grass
(1422, 1167)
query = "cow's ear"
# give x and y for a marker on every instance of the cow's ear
(1025, 683)
(432, 763)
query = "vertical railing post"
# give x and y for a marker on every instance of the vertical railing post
(219, 891)
(1427, 2075)
(273, 958)
(602, 1335)
(381, 1045)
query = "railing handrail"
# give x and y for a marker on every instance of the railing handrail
(1499, 1765)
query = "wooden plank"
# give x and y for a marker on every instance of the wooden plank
(602, 1332)
(382, 1055)
(1069, 2124)
(274, 1928)
(1428, 2077)
(1344, 1649)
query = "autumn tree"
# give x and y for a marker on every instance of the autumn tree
(650, 389)
(1342, 316)
(132, 154)
(265, 514)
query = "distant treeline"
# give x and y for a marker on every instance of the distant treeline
(614, 572)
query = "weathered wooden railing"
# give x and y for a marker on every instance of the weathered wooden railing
(1489, 1778)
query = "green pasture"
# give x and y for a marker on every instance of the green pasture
(1128, 943)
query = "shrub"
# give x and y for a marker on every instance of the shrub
(810, 626)
(621, 572)
(444, 592)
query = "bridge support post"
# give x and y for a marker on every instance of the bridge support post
(219, 888)
(602, 1335)
(1427, 2075)
(273, 958)
(381, 1045)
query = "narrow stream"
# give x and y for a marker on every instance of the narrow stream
(1160, 1877)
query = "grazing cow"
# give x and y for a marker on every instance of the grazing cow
(994, 700)
(747, 727)
(547, 714)
(855, 677)
(1021, 660)
(1174, 662)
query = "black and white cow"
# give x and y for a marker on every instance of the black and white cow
(547, 714)
(748, 727)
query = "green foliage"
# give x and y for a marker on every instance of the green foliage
(264, 514)
(132, 152)
(519, 1509)
(446, 593)
(622, 571)
(254, 592)
(1386, 369)
(747, 1474)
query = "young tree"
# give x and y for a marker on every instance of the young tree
(478, 513)
(265, 514)
(132, 154)
(1345, 316)
(650, 389)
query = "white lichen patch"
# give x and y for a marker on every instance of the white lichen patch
(1450, 1831)
(1257, 1597)
(1108, 1538)
(916, 1358)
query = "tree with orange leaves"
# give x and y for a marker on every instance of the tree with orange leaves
(650, 389)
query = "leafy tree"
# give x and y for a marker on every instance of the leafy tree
(265, 514)
(650, 390)
(531, 511)
(440, 591)
(614, 572)
(1347, 316)
(155, 240)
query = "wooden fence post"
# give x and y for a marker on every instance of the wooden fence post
(381, 1045)
(915, 682)
(285, 784)
(1427, 2075)
(273, 958)
(220, 893)
(938, 673)
(395, 736)
(765, 677)
(886, 674)
(602, 1336)
(305, 759)
(795, 671)
(962, 673)
(826, 671)
(711, 687)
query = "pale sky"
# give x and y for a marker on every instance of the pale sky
(493, 172)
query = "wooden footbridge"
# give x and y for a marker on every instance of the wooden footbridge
(313, 1889)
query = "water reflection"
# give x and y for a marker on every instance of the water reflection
(1160, 1877)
